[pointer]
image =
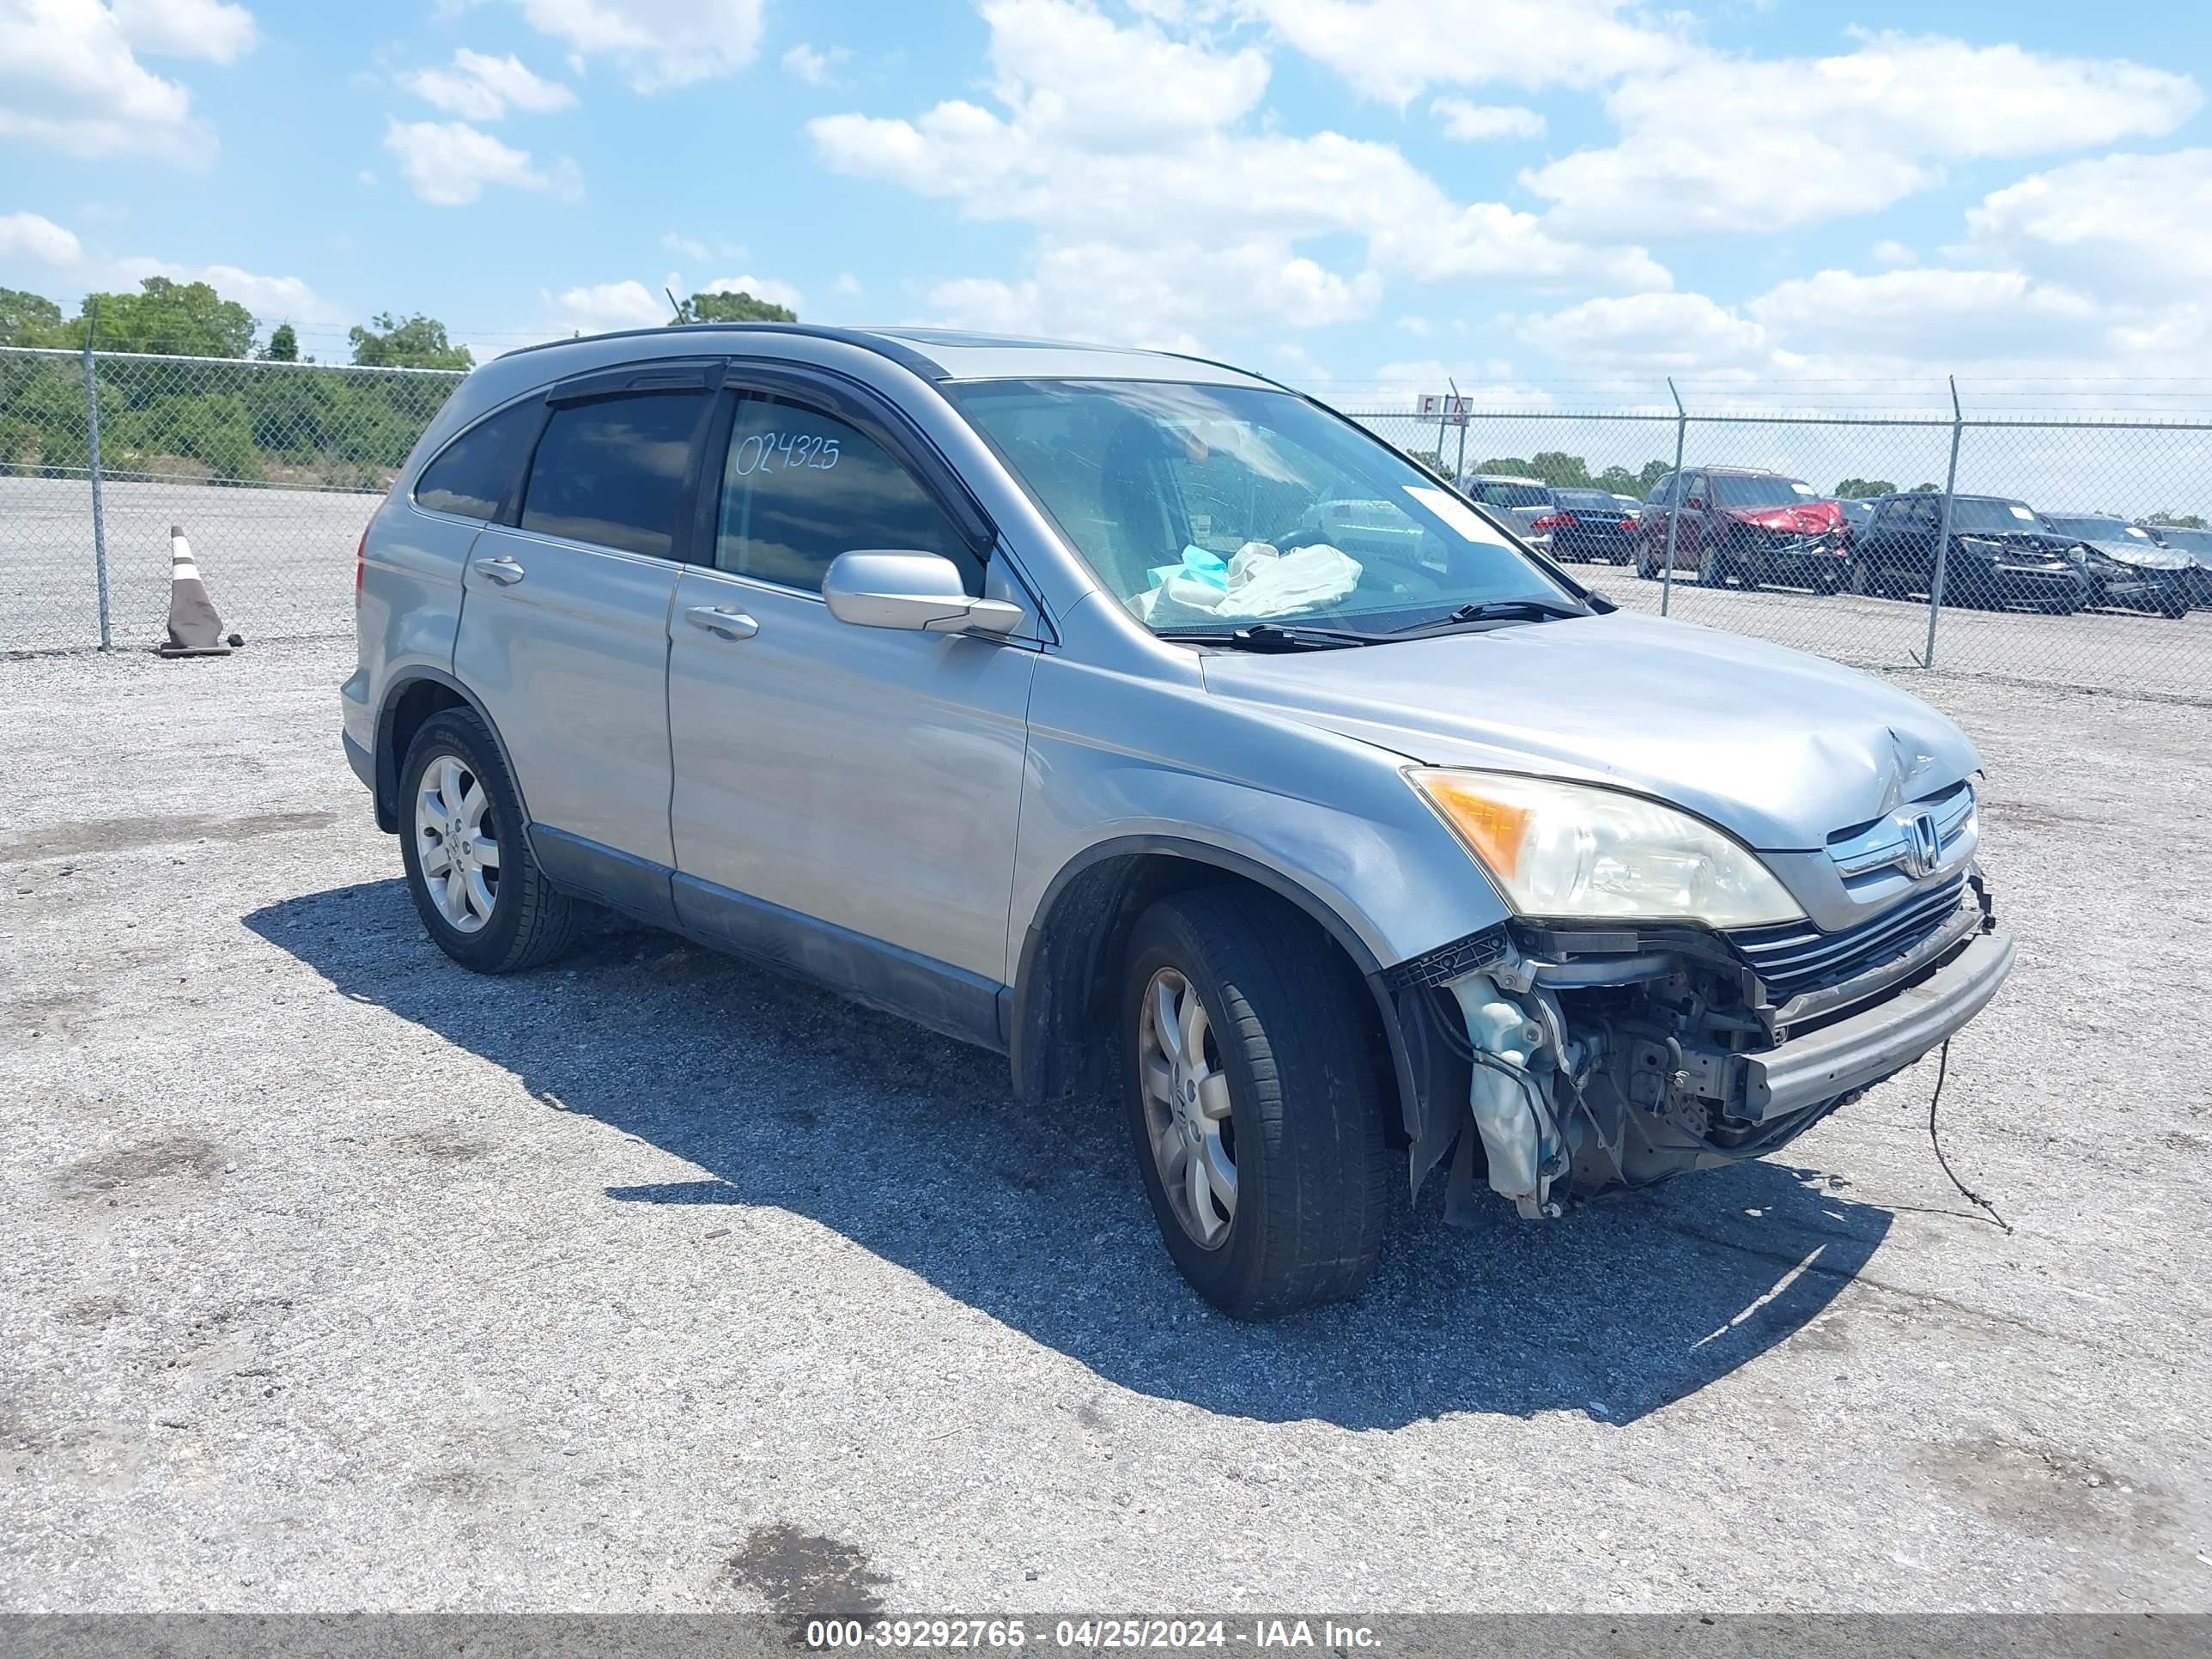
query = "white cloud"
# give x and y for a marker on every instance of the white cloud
(816, 69)
(846, 286)
(2119, 224)
(213, 29)
(1887, 253)
(1486, 386)
(70, 78)
(1158, 215)
(1723, 143)
(1395, 49)
(31, 236)
(1654, 332)
(689, 247)
(1928, 316)
(603, 307)
(1473, 122)
(481, 88)
(450, 162)
(271, 299)
(761, 288)
(655, 43)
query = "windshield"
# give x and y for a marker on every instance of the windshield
(1491, 493)
(2187, 539)
(1594, 500)
(1990, 515)
(2089, 528)
(1215, 506)
(1766, 491)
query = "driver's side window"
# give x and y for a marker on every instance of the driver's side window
(799, 487)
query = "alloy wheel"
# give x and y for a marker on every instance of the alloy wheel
(1186, 1113)
(456, 844)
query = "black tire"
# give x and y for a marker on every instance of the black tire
(1305, 1101)
(531, 923)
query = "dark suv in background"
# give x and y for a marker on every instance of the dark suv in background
(2004, 553)
(1738, 524)
(2197, 580)
(2128, 566)
(1590, 524)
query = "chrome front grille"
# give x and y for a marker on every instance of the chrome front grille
(1795, 956)
(1866, 854)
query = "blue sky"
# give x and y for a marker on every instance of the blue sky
(1528, 195)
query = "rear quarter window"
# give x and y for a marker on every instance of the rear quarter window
(474, 474)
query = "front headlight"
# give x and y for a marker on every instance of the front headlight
(1570, 850)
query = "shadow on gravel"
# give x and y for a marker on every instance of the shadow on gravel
(912, 1147)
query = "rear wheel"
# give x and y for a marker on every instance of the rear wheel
(1253, 1102)
(468, 865)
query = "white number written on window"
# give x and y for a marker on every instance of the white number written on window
(764, 450)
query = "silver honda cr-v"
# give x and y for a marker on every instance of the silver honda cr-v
(1155, 725)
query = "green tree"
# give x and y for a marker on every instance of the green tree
(1854, 488)
(283, 346)
(166, 318)
(415, 341)
(2179, 520)
(1512, 465)
(1923, 489)
(1559, 470)
(28, 320)
(738, 307)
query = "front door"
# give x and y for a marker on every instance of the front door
(845, 797)
(564, 635)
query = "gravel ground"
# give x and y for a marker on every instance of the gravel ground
(340, 1279)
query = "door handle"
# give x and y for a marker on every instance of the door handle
(729, 624)
(502, 570)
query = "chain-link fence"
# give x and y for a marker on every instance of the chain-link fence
(2060, 551)
(2064, 552)
(271, 468)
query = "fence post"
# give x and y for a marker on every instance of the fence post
(92, 464)
(1460, 415)
(1943, 535)
(1674, 499)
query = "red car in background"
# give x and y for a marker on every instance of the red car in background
(1739, 524)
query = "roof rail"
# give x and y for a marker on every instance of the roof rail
(904, 356)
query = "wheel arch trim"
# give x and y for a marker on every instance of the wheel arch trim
(1027, 1018)
(387, 759)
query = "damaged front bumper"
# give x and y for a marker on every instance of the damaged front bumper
(1592, 1059)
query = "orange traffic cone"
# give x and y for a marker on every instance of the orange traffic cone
(194, 629)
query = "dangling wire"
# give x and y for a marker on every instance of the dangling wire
(1943, 1067)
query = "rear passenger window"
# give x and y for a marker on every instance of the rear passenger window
(612, 471)
(801, 487)
(477, 469)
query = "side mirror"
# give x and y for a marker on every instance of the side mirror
(919, 592)
(1696, 504)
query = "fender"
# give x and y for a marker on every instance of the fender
(1030, 1012)
(387, 762)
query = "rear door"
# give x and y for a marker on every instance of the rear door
(846, 798)
(564, 626)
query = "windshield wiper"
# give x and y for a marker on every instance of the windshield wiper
(1497, 611)
(1271, 636)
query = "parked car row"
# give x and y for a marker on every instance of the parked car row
(1751, 528)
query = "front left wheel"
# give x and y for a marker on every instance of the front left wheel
(469, 869)
(1253, 1103)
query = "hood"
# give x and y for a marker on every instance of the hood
(1779, 748)
(1807, 519)
(2144, 555)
